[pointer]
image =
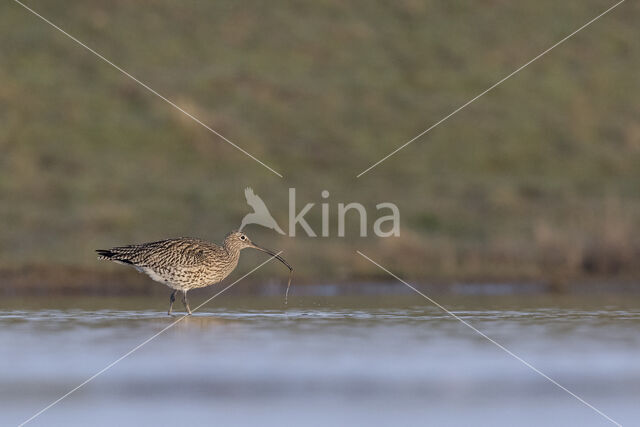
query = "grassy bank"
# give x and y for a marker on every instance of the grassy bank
(537, 180)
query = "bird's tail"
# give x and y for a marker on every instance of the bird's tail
(111, 255)
(104, 254)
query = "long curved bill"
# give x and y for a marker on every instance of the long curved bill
(277, 256)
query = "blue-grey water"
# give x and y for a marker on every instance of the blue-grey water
(337, 360)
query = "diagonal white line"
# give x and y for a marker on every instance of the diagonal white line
(500, 346)
(168, 101)
(498, 83)
(134, 349)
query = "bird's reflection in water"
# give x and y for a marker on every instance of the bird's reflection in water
(200, 322)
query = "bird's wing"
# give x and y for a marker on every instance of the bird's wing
(170, 253)
(184, 253)
(254, 200)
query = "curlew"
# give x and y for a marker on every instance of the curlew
(185, 263)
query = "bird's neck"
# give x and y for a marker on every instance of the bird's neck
(233, 251)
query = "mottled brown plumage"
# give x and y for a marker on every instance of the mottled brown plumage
(185, 263)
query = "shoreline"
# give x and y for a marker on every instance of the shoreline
(45, 280)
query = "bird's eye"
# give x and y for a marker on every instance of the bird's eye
(242, 237)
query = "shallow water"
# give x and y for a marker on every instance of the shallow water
(374, 360)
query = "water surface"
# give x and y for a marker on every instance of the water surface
(365, 360)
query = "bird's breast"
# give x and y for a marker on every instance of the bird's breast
(217, 271)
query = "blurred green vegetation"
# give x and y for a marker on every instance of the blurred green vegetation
(537, 180)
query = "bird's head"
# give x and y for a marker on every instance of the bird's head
(237, 241)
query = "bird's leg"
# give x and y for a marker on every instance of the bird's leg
(185, 301)
(172, 299)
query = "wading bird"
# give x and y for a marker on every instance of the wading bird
(185, 263)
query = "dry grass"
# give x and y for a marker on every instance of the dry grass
(536, 181)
